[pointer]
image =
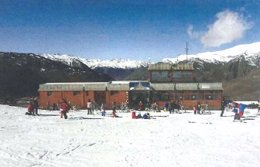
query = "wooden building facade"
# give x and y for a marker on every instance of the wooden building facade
(167, 82)
(132, 92)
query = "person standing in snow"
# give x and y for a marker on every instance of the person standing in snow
(141, 105)
(258, 105)
(222, 107)
(64, 107)
(30, 109)
(171, 107)
(114, 110)
(166, 106)
(198, 108)
(195, 109)
(242, 108)
(89, 106)
(35, 106)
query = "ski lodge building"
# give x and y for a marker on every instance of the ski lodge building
(167, 82)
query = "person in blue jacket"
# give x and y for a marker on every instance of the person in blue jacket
(242, 108)
(146, 116)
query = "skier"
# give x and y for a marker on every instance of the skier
(166, 106)
(195, 110)
(114, 114)
(64, 107)
(198, 108)
(141, 105)
(171, 107)
(222, 107)
(235, 110)
(30, 109)
(146, 116)
(139, 116)
(258, 106)
(102, 109)
(89, 106)
(35, 106)
(103, 113)
(242, 108)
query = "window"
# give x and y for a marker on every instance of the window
(113, 92)
(193, 97)
(208, 97)
(187, 97)
(161, 76)
(164, 96)
(75, 93)
(49, 93)
(178, 97)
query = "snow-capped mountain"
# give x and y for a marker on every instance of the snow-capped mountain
(94, 63)
(249, 51)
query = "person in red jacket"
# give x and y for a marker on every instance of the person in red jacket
(64, 108)
(141, 105)
(30, 109)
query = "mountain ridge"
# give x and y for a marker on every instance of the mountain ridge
(18, 69)
(250, 51)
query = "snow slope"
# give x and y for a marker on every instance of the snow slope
(248, 50)
(180, 140)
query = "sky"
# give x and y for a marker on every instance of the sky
(137, 29)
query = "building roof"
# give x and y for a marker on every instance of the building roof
(186, 86)
(126, 86)
(96, 86)
(140, 86)
(61, 87)
(211, 86)
(160, 66)
(163, 86)
(73, 86)
(168, 67)
(117, 86)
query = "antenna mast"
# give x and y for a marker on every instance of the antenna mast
(187, 50)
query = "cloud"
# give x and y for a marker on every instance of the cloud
(228, 27)
(193, 34)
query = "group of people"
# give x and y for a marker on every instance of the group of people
(32, 108)
(237, 108)
(197, 108)
(173, 106)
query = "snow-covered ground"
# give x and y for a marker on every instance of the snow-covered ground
(184, 140)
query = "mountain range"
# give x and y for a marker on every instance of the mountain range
(251, 53)
(21, 73)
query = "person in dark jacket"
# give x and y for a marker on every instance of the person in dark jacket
(198, 108)
(223, 105)
(89, 106)
(114, 110)
(35, 106)
(146, 116)
(258, 106)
